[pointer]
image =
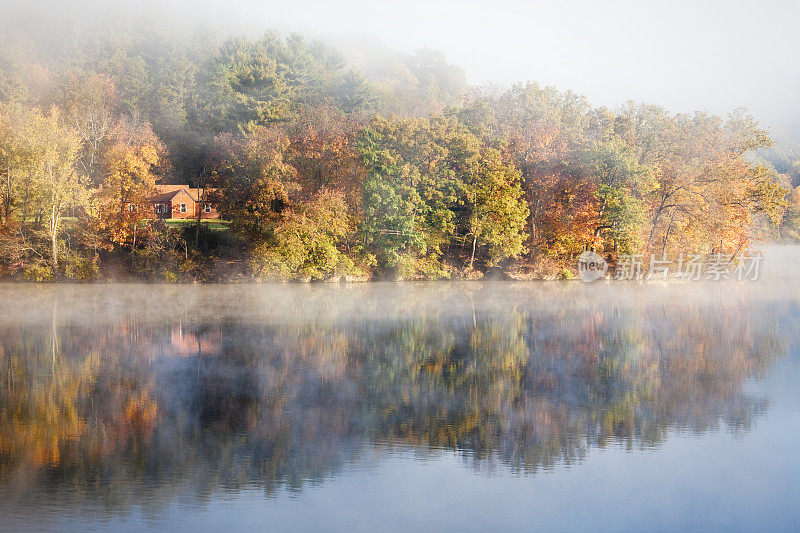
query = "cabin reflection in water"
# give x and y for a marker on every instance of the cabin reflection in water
(185, 343)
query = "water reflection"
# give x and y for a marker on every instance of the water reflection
(115, 395)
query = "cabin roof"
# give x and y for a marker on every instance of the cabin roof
(168, 192)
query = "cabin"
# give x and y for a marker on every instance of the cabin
(182, 201)
(168, 201)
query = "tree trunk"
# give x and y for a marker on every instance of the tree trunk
(659, 211)
(24, 211)
(199, 215)
(666, 236)
(472, 257)
(201, 190)
(7, 197)
(54, 239)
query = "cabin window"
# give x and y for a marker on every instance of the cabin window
(183, 208)
(207, 208)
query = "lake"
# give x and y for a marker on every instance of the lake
(443, 406)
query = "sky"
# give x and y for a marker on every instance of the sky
(686, 55)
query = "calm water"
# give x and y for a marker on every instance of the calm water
(402, 406)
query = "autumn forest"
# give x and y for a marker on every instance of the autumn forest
(326, 168)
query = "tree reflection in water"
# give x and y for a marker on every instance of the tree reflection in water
(119, 394)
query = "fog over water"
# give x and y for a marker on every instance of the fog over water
(460, 404)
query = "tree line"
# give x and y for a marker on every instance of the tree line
(320, 170)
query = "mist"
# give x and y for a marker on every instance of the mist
(685, 55)
(688, 56)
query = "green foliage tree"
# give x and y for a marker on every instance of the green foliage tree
(498, 211)
(309, 241)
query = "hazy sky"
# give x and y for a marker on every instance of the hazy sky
(684, 54)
